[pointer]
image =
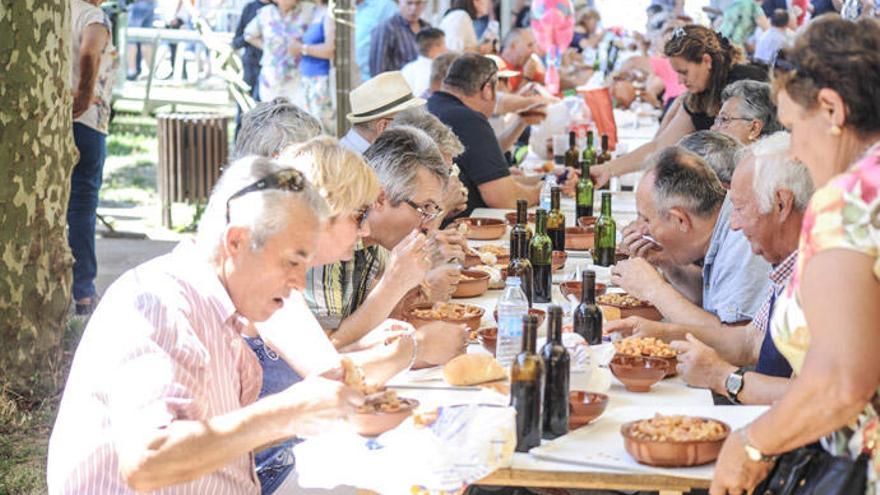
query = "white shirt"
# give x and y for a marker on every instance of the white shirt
(418, 74)
(459, 30)
(83, 15)
(354, 142)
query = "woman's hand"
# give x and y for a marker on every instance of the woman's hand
(735, 472)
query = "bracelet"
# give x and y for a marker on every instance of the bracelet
(415, 351)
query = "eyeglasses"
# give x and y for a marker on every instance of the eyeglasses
(360, 216)
(429, 211)
(723, 121)
(285, 180)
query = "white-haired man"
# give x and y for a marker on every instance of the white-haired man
(162, 391)
(769, 193)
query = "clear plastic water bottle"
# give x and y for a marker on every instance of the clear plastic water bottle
(512, 306)
(546, 190)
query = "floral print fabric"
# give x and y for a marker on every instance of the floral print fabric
(845, 214)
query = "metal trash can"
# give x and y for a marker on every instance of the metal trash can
(192, 149)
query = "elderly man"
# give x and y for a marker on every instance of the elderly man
(351, 298)
(719, 151)
(455, 197)
(162, 391)
(711, 276)
(271, 126)
(393, 43)
(747, 112)
(769, 193)
(373, 105)
(465, 103)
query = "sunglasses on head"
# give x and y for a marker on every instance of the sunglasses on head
(284, 180)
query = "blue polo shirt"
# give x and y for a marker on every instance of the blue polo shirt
(735, 280)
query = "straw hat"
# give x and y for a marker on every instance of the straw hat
(382, 95)
(503, 71)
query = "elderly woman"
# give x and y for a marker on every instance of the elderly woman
(748, 112)
(278, 30)
(706, 63)
(826, 321)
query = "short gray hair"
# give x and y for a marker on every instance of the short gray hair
(272, 126)
(755, 102)
(683, 179)
(264, 212)
(440, 133)
(775, 170)
(398, 154)
(719, 151)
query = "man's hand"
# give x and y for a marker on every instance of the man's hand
(449, 245)
(315, 404)
(533, 114)
(637, 277)
(635, 326)
(440, 283)
(569, 187)
(636, 245)
(601, 174)
(456, 196)
(409, 261)
(700, 366)
(438, 342)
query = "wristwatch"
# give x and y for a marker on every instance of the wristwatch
(734, 384)
(752, 452)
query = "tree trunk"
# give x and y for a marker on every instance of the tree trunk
(37, 154)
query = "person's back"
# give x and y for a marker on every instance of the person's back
(369, 15)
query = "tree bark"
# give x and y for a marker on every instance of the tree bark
(37, 155)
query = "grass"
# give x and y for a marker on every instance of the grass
(25, 427)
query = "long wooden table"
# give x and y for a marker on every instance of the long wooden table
(529, 471)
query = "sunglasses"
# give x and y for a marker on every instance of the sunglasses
(360, 216)
(283, 180)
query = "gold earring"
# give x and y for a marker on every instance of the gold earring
(836, 131)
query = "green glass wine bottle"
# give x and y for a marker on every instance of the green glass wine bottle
(605, 243)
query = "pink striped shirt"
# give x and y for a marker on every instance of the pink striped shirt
(163, 345)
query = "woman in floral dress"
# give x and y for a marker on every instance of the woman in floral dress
(278, 30)
(827, 321)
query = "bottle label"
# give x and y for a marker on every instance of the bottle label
(510, 326)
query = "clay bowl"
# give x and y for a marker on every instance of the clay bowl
(579, 238)
(646, 311)
(471, 260)
(472, 323)
(540, 313)
(585, 407)
(475, 285)
(573, 287)
(488, 337)
(670, 453)
(638, 373)
(483, 229)
(377, 423)
(587, 221)
(558, 261)
(511, 218)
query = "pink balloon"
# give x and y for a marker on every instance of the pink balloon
(553, 23)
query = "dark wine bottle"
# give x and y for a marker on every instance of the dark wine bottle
(556, 381)
(584, 192)
(526, 388)
(519, 265)
(572, 154)
(556, 221)
(522, 219)
(587, 315)
(606, 153)
(605, 243)
(541, 256)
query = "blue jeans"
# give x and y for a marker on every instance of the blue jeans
(82, 208)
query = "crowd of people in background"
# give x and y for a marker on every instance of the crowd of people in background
(757, 238)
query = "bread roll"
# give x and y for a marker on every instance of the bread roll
(471, 369)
